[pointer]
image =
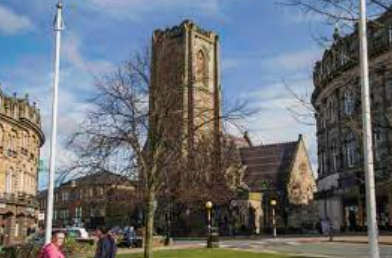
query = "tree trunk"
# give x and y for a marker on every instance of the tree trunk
(149, 224)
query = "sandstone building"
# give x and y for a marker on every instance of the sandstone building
(21, 137)
(337, 101)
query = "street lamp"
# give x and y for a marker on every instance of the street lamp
(168, 226)
(273, 204)
(209, 208)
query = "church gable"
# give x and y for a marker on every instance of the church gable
(301, 184)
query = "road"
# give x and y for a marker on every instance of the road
(312, 248)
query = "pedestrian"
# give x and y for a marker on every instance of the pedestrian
(53, 249)
(130, 237)
(106, 246)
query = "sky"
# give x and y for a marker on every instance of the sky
(266, 48)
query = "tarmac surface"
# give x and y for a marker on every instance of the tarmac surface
(341, 247)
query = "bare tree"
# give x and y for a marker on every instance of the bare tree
(339, 11)
(131, 129)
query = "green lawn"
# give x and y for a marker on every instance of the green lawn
(205, 253)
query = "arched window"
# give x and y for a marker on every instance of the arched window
(349, 102)
(351, 146)
(201, 67)
(12, 142)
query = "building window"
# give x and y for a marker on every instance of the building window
(351, 150)
(335, 156)
(331, 110)
(9, 183)
(16, 232)
(349, 103)
(78, 212)
(390, 35)
(65, 196)
(342, 57)
(1, 136)
(378, 141)
(322, 163)
(201, 67)
(100, 190)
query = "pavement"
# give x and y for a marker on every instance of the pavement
(341, 247)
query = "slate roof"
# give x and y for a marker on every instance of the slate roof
(268, 163)
(100, 178)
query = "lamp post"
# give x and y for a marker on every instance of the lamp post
(209, 206)
(168, 225)
(273, 204)
(371, 204)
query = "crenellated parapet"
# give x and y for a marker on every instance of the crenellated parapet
(179, 30)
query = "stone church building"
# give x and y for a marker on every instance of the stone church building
(185, 109)
(280, 172)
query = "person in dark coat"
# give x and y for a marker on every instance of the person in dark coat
(106, 246)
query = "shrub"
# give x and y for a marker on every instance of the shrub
(31, 250)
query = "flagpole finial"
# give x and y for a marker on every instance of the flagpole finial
(58, 21)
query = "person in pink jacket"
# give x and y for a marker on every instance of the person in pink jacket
(53, 249)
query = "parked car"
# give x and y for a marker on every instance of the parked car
(117, 230)
(77, 232)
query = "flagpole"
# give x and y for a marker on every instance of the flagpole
(58, 27)
(367, 137)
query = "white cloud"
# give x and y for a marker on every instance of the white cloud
(293, 61)
(274, 123)
(72, 54)
(12, 23)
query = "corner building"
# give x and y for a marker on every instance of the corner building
(337, 101)
(21, 137)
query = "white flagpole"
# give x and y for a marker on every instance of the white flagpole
(58, 27)
(367, 137)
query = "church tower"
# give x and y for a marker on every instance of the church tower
(185, 69)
